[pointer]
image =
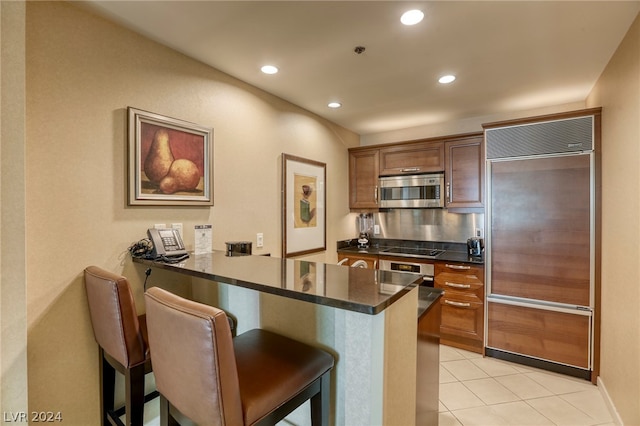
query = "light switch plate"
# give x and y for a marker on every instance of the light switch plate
(259, 239)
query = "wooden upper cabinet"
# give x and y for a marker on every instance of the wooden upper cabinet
(412, 158)
(464, 173)
(364, 166)
(461, 157)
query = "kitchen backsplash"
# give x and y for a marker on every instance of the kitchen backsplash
(427, 225)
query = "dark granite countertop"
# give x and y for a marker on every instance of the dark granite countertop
(453, 252)
(426, 298)
(368, 291)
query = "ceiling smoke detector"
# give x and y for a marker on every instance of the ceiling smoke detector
(359, 49)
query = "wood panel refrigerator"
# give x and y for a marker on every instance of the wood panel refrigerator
(540, 243)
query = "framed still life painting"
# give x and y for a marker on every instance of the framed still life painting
(170, 161)
(303, 206)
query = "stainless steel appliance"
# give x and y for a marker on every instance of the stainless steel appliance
(475, 246)
(424, 268)
(365, 221)
(540, 242)
(412, 191)
(238, 248)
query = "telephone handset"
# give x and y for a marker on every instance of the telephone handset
(167, 244)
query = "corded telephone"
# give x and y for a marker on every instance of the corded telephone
(167, 244)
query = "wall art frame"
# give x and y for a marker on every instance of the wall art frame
(304, 219)
(170, 161)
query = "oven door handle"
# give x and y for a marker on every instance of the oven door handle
(427, 278)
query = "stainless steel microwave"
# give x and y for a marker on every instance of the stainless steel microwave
(412, 191)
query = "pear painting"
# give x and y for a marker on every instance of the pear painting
(183, 175)
(159, 158)
(166, 173)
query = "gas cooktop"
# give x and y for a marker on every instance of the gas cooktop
(417, 252)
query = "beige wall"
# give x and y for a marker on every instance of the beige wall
(82, 73)
(13, 318)
(618, 92)
(456, 127)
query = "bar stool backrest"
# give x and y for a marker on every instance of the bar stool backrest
(113, 316)
(193, 358)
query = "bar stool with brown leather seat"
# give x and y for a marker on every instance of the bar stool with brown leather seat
(256, 378)
(122, 339)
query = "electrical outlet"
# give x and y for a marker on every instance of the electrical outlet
(160, 225)
(259, 239)
(479, 232)
(376, 229)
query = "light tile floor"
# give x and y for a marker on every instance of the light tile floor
(477, 391)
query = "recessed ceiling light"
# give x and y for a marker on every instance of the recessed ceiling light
(334, 104)
(446, 79)
(412, 17)
(269, 69)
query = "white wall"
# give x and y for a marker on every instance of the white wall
(618, 92)
(81, 73)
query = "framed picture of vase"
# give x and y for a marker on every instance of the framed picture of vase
(303, 206)
(170, 161)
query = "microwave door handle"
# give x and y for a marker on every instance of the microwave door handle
(375, 194)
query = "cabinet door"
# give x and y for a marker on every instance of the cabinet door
(364, 169)
(464, 173)
(554, 336)
(411, 159)
(541, 229)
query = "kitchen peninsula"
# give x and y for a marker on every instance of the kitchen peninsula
(366, 318)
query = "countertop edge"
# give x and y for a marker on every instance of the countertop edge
(279, 291)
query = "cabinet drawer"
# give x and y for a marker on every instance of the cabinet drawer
(461, 287)
(549, 335)
(411, 159)
(460, 268)
(463, 319)
(460, 281)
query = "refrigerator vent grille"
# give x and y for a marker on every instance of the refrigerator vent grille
(568, 135)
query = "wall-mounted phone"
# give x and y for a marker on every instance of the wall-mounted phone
(167, 244)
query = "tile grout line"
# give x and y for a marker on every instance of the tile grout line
(553, 394)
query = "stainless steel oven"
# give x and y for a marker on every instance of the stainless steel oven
(423, 267)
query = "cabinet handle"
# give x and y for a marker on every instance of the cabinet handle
(449, 191)
(456, 285)
(463, 267)
(375, 264)
(457, 304)
(411, 169)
